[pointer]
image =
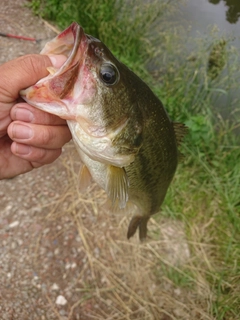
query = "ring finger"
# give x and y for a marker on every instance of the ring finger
(36, 156)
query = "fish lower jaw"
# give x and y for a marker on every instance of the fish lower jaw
(58, 111)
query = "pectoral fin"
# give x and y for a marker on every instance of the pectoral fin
(117, 185)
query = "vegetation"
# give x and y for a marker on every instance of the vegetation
(190, 269)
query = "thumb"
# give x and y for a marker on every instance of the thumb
(25, 71)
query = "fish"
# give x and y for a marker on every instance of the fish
(125, 139)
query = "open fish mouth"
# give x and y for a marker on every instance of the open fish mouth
(80, 91)
(50, 92)
(67, 43)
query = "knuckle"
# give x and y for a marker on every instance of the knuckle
(47, 156)
(33, 65)
(46, 136)
(41, 155)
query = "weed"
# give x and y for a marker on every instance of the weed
(192, 273)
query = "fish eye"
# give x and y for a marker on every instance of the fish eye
(109, 74)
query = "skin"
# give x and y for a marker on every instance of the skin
(29, 138)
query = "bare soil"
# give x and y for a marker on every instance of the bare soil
(62, 255)
(38, 257)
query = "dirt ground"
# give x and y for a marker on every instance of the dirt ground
(24, 203)
(44, 261)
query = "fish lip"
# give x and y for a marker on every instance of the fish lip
(74, 56)
(78, 36)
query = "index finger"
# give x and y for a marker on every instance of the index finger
(25, 71)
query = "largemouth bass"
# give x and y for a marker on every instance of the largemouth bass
(123, 134)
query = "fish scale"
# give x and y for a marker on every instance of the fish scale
(124, 136)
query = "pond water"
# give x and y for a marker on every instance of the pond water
(225, 14)
(232, 9)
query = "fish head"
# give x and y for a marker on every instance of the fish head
(95, 91)
(59, 92)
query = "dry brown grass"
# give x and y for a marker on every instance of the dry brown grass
(163, 278)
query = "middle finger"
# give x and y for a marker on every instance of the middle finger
(25, 112)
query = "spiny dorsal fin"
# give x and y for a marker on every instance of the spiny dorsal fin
(117, 185)
(180, 131)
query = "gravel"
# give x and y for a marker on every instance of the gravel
(38, 266)
(42, 262)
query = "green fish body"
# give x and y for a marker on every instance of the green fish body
(123, 134)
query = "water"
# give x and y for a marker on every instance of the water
(232, 9)
(225, 14)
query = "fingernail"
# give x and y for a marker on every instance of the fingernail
(24, 115)
(22, 149)
(21, 132)
(57, 60)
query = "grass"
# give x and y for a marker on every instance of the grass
(190, 269)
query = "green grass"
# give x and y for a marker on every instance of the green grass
(122, 29)
(205, 193)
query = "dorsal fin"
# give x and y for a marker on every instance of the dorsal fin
(180, 131)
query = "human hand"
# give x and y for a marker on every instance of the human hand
(29, 138)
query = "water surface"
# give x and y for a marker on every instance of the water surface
(232, 9)
(202, 15)
(225, 14)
